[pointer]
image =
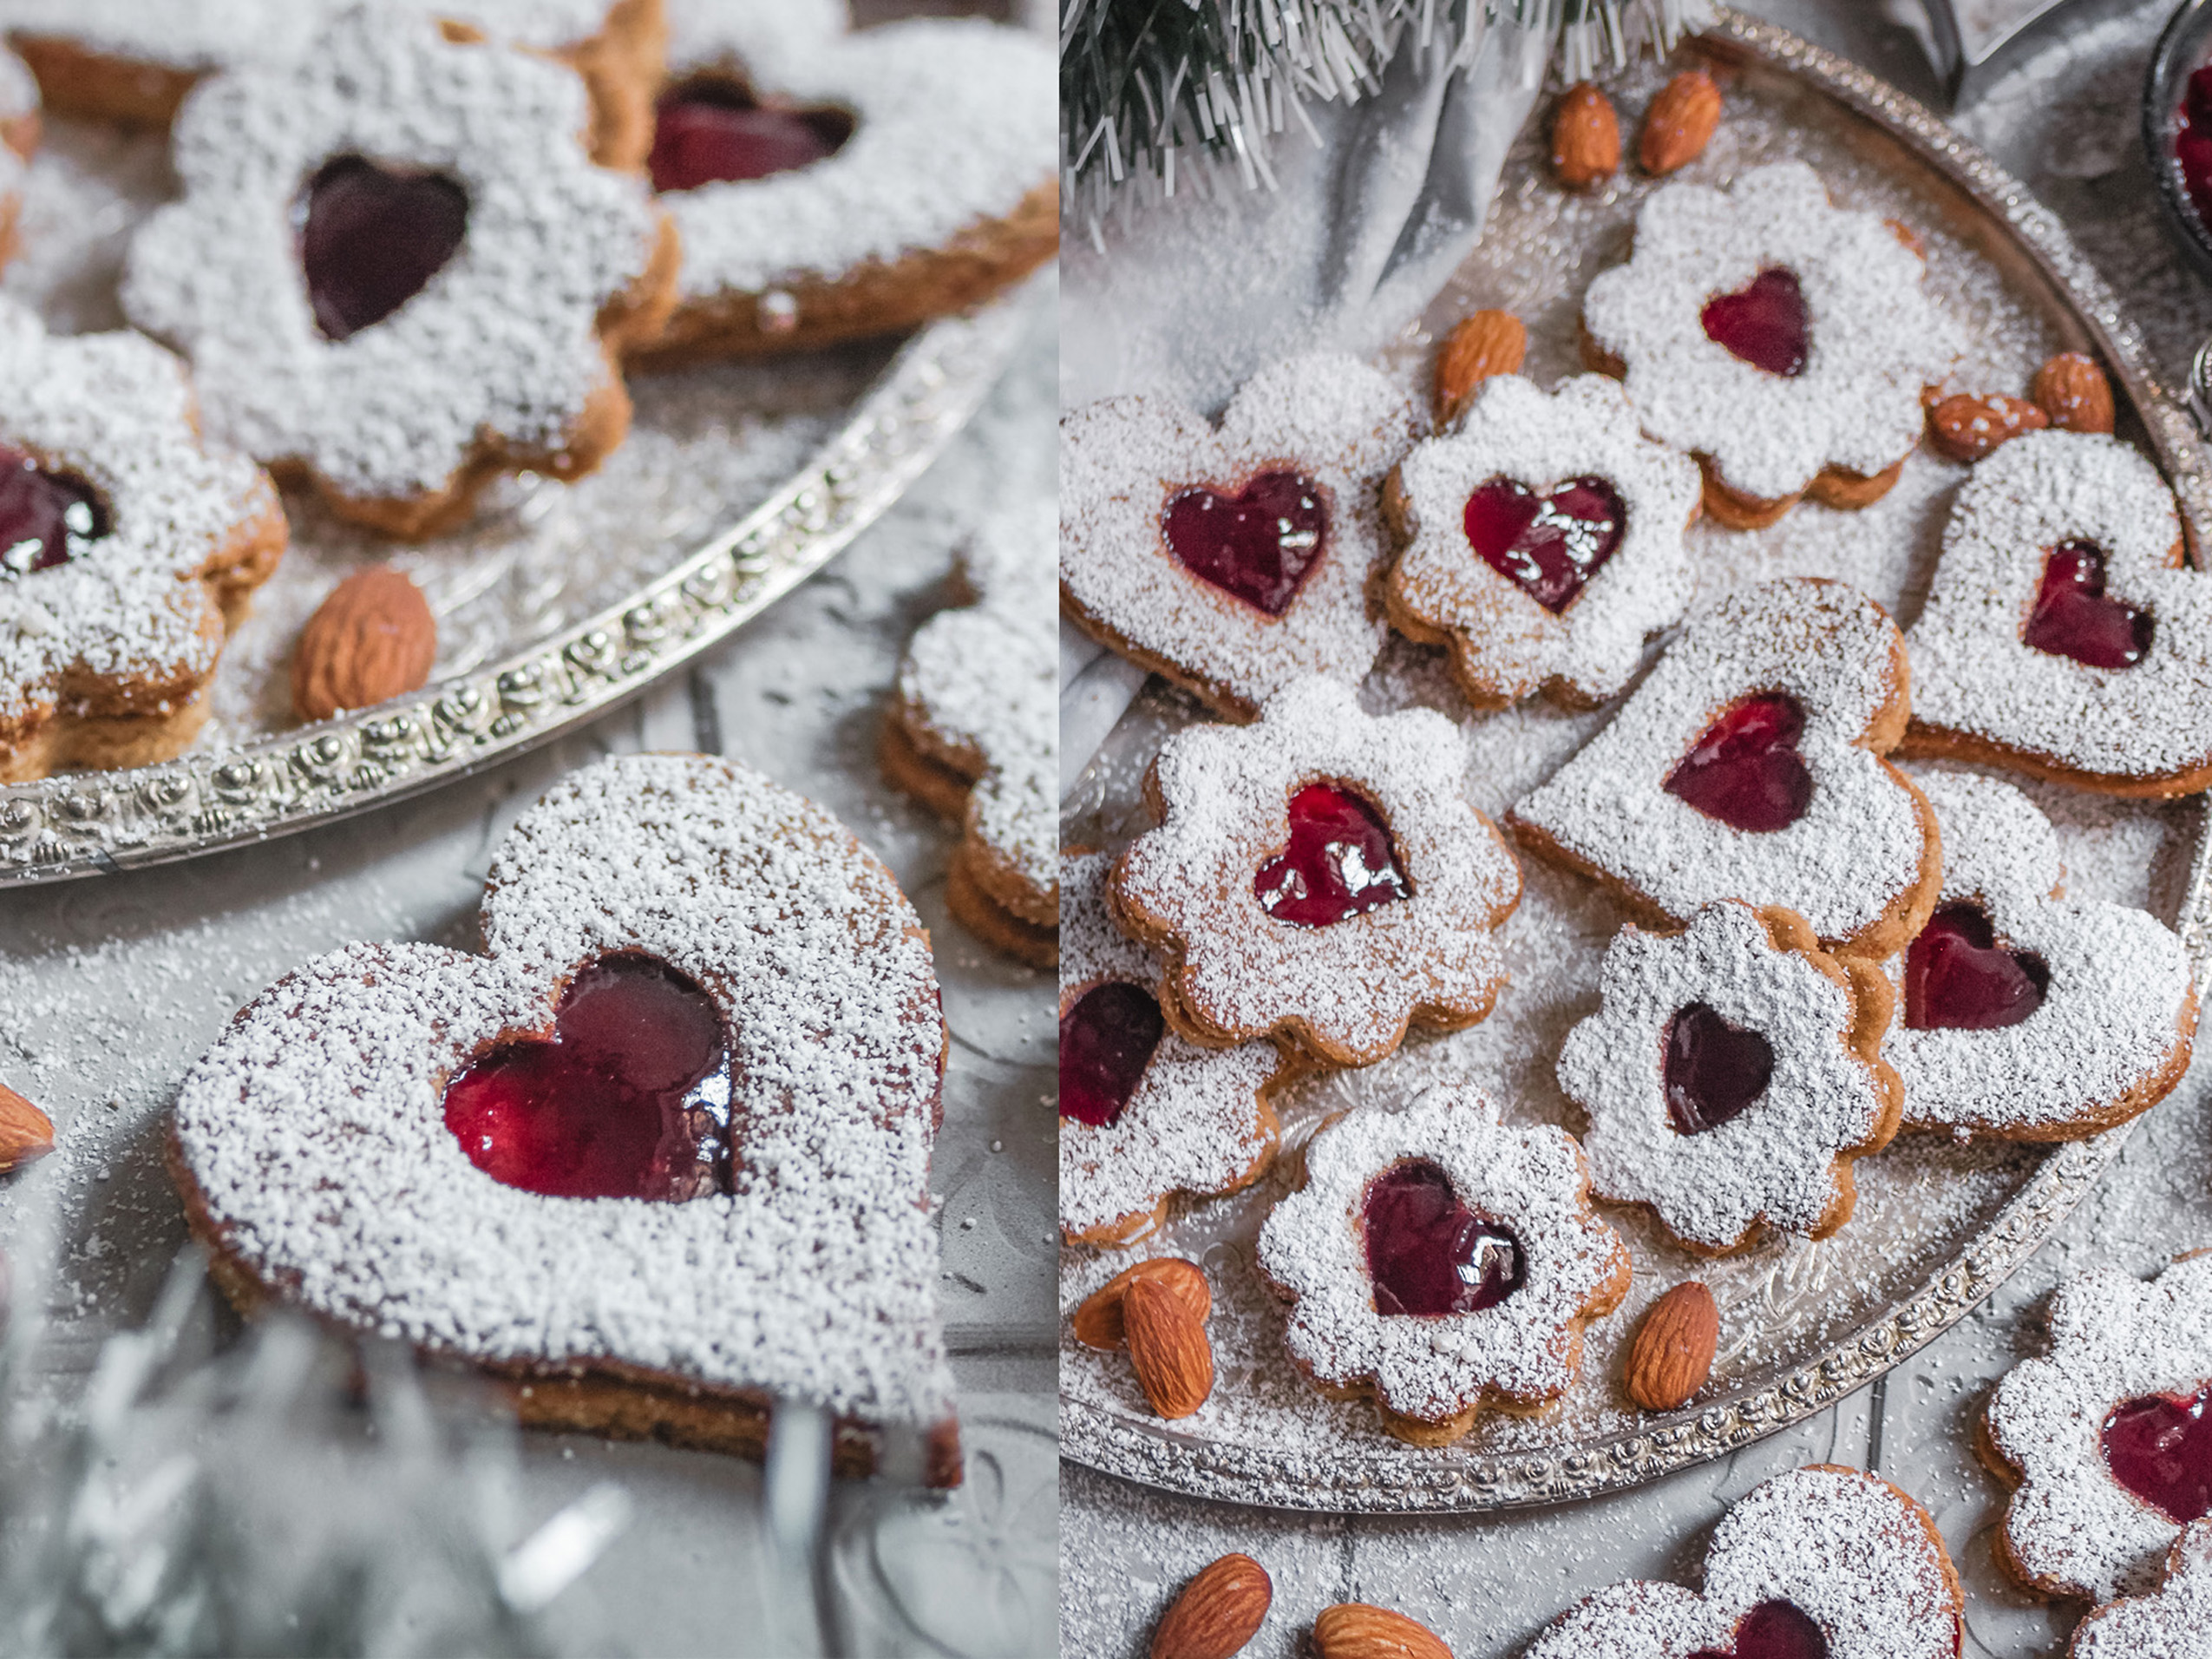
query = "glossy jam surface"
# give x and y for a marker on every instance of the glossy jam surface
(715, 132)
(1428, 1253)
(630, 1098)
(2073, 617)
(1772, 1631)
(46, 518)
(1258, 545)
(1551, 544)
(1106, 1041)
(1745, 770)
(1714, 1068)
(1339, 863)
(2160, 1448)
(1765, 324)
(371, 239)
(2193, 142)
(1958, 978)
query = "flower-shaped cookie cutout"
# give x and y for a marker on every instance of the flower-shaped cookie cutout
(658, 1160)
(2170, 1622)
(856, 187)
(974, 735)
(1235, 560)
(1731, 1074)
(130, 545)
(1320, 876)
(1822, 1561)
(1784, 342)
(1748, 765)
(1543, 542)
(2023, 1013)
(396, 270)
(1441, 1263)
(2104, 1432)
(2060, 638)
(1145, 1115)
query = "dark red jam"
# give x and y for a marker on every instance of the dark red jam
(1745, 770)
(1428, 1253)
(1339, 862)
(1258, 544)
(2160, 1449)
(2193, 142)
(1550, 545)
(629, 1099)
(1958, 978)
(371, 238)
(715, 132)
(1714, 1068)
(2072, 618)
(1106, 1041)
(46, 518)
(1772, 1631)
(1765, 324)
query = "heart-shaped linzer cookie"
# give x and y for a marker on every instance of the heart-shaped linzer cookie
(709, 1014)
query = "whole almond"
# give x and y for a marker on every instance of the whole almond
(2072, 390)
(1097, 1322)
(1488, 342)
(1586, 138)
(1355, 1630)
(1968, 425)
(1679, 123)
(1218, 1611)
(1168, 1348)
(26, 1133)
(372, 639)
(1672, 1352)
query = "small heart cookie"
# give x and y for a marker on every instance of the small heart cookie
(2170, 1622)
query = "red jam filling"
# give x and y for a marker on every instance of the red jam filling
(1714, 1068)
(715, 131)
(1260, 544)
(371, 238)
(2193, 142)
(1745, 770)
(1772, 1631)
(2072, 618)
(1958, 978)
(1106, 1041)
(46, 518)
(2160, 1448)
(1765, 324)
(1428, 1253)
(1551, 544)
(1339, 862)
(629, 1099)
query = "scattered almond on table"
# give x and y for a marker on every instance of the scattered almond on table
(1680, 122)
(26, 1133)
(1967, 426)
(1488, 343)
(374, 637)
(1586, 138)
(1672, 1354)
(1167, 1349)
(1097, 1323)
(1218, 1611)
(2073, 392)
(1355, 1630)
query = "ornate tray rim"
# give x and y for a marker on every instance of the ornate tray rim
(1377, 1482)
(77, 824)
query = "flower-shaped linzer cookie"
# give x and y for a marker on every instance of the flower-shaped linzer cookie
(2107, 1434)
(1822, 1562)
(1731, 1074)
(2170, 1622)
(1320, 876)
(2060, 638)
(1748, 765)
(130, 547)
(1145, 1115)
(2024, 1014)
(1441, 1263)
(1784, 342)
(396, 270)
(1541, 542)
(1235, 560)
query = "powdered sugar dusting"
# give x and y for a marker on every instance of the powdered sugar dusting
(2171, 1623)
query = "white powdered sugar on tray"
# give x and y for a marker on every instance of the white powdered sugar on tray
(2173, 1622)
(18, 91)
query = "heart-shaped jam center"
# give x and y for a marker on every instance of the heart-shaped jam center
(1746, 770)
(1958, 978)
(372, 237)
(46, 518)
(1258, 544)
(1549, 544)
(1428, 1253)
(1339, 863)
(629, 1099)
(717, 132)
(1106, 1041)
(2193, 141)
(1765, 324)
(1714, 1068)
(1772, 1631)
(2160, 1448)
(2073, 618)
